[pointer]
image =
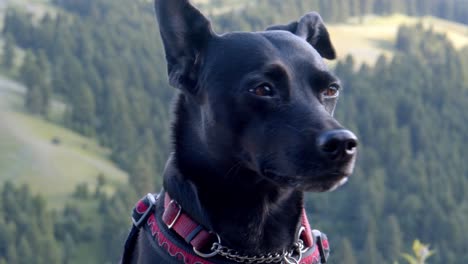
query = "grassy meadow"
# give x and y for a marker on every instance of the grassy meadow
(28, 153)
(372, 36)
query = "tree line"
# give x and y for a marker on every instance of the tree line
(261, 13)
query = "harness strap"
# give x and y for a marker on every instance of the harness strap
(140, 215)
(129, 245)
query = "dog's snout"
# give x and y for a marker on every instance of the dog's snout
(337, 145)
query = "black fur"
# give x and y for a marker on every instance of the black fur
(242, 161)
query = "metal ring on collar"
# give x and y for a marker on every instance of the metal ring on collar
(212, 254)
(298, 247)
(303, 248)
(291, 260)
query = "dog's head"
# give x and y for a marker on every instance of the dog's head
(264, 100)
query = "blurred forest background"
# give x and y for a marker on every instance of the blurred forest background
(85, 123)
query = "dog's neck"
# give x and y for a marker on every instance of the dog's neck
(249, 213)
(250, 217)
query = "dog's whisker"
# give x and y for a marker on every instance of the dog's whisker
(294, 128)
(236, 166)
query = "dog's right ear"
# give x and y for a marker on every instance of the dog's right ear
(312, 29)
(184, 32)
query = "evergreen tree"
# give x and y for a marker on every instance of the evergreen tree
(27, 256)
(393, 244)
(366, 7)
(12, 255)
(38, 92)
(355, 8)
(29, 74)
(3, 237)
(346, 254)
(141, 175)
(23, 240)
(371, 253)
(45, 82)
(68, 249)
(34, 100)
(9, 53)
(84, 109)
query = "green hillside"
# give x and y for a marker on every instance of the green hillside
(366, 39)
(28, 154)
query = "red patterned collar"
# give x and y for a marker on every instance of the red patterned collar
(168, 224)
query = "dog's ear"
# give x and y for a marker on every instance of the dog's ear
(184, 32)
(311, 28)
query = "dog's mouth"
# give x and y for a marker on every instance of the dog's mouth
(339, 184)
(313, 182)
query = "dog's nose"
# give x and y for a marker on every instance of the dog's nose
(337, 145)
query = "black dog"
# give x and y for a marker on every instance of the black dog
(254, 130)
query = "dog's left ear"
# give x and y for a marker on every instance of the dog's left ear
(311, 28)
(185, 33)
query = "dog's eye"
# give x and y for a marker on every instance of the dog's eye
(331, 92)
(262, 90)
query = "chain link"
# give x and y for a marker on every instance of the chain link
(285, 256)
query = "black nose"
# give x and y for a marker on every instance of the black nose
(338, 145)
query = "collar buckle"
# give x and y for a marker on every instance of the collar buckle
(139, 219)
(173, 211)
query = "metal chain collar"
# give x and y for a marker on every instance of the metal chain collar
(283, 257)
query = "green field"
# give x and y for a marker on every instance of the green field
(37, 7)
(28, 155)
(366, 40)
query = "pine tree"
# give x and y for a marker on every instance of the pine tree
(27, 253)
(38, 91)
(34, 100)
(347, 254)
(84, 109)
(4, 236)
(355, 8)
(366, 7)
(371, 253)
(68, 248)
(28, 72)
(141, 175)
(9, 53)
(12, 255)
(394, 238)
(396, 6)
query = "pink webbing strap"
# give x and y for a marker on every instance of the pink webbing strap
(306, 236)
(192, 232)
